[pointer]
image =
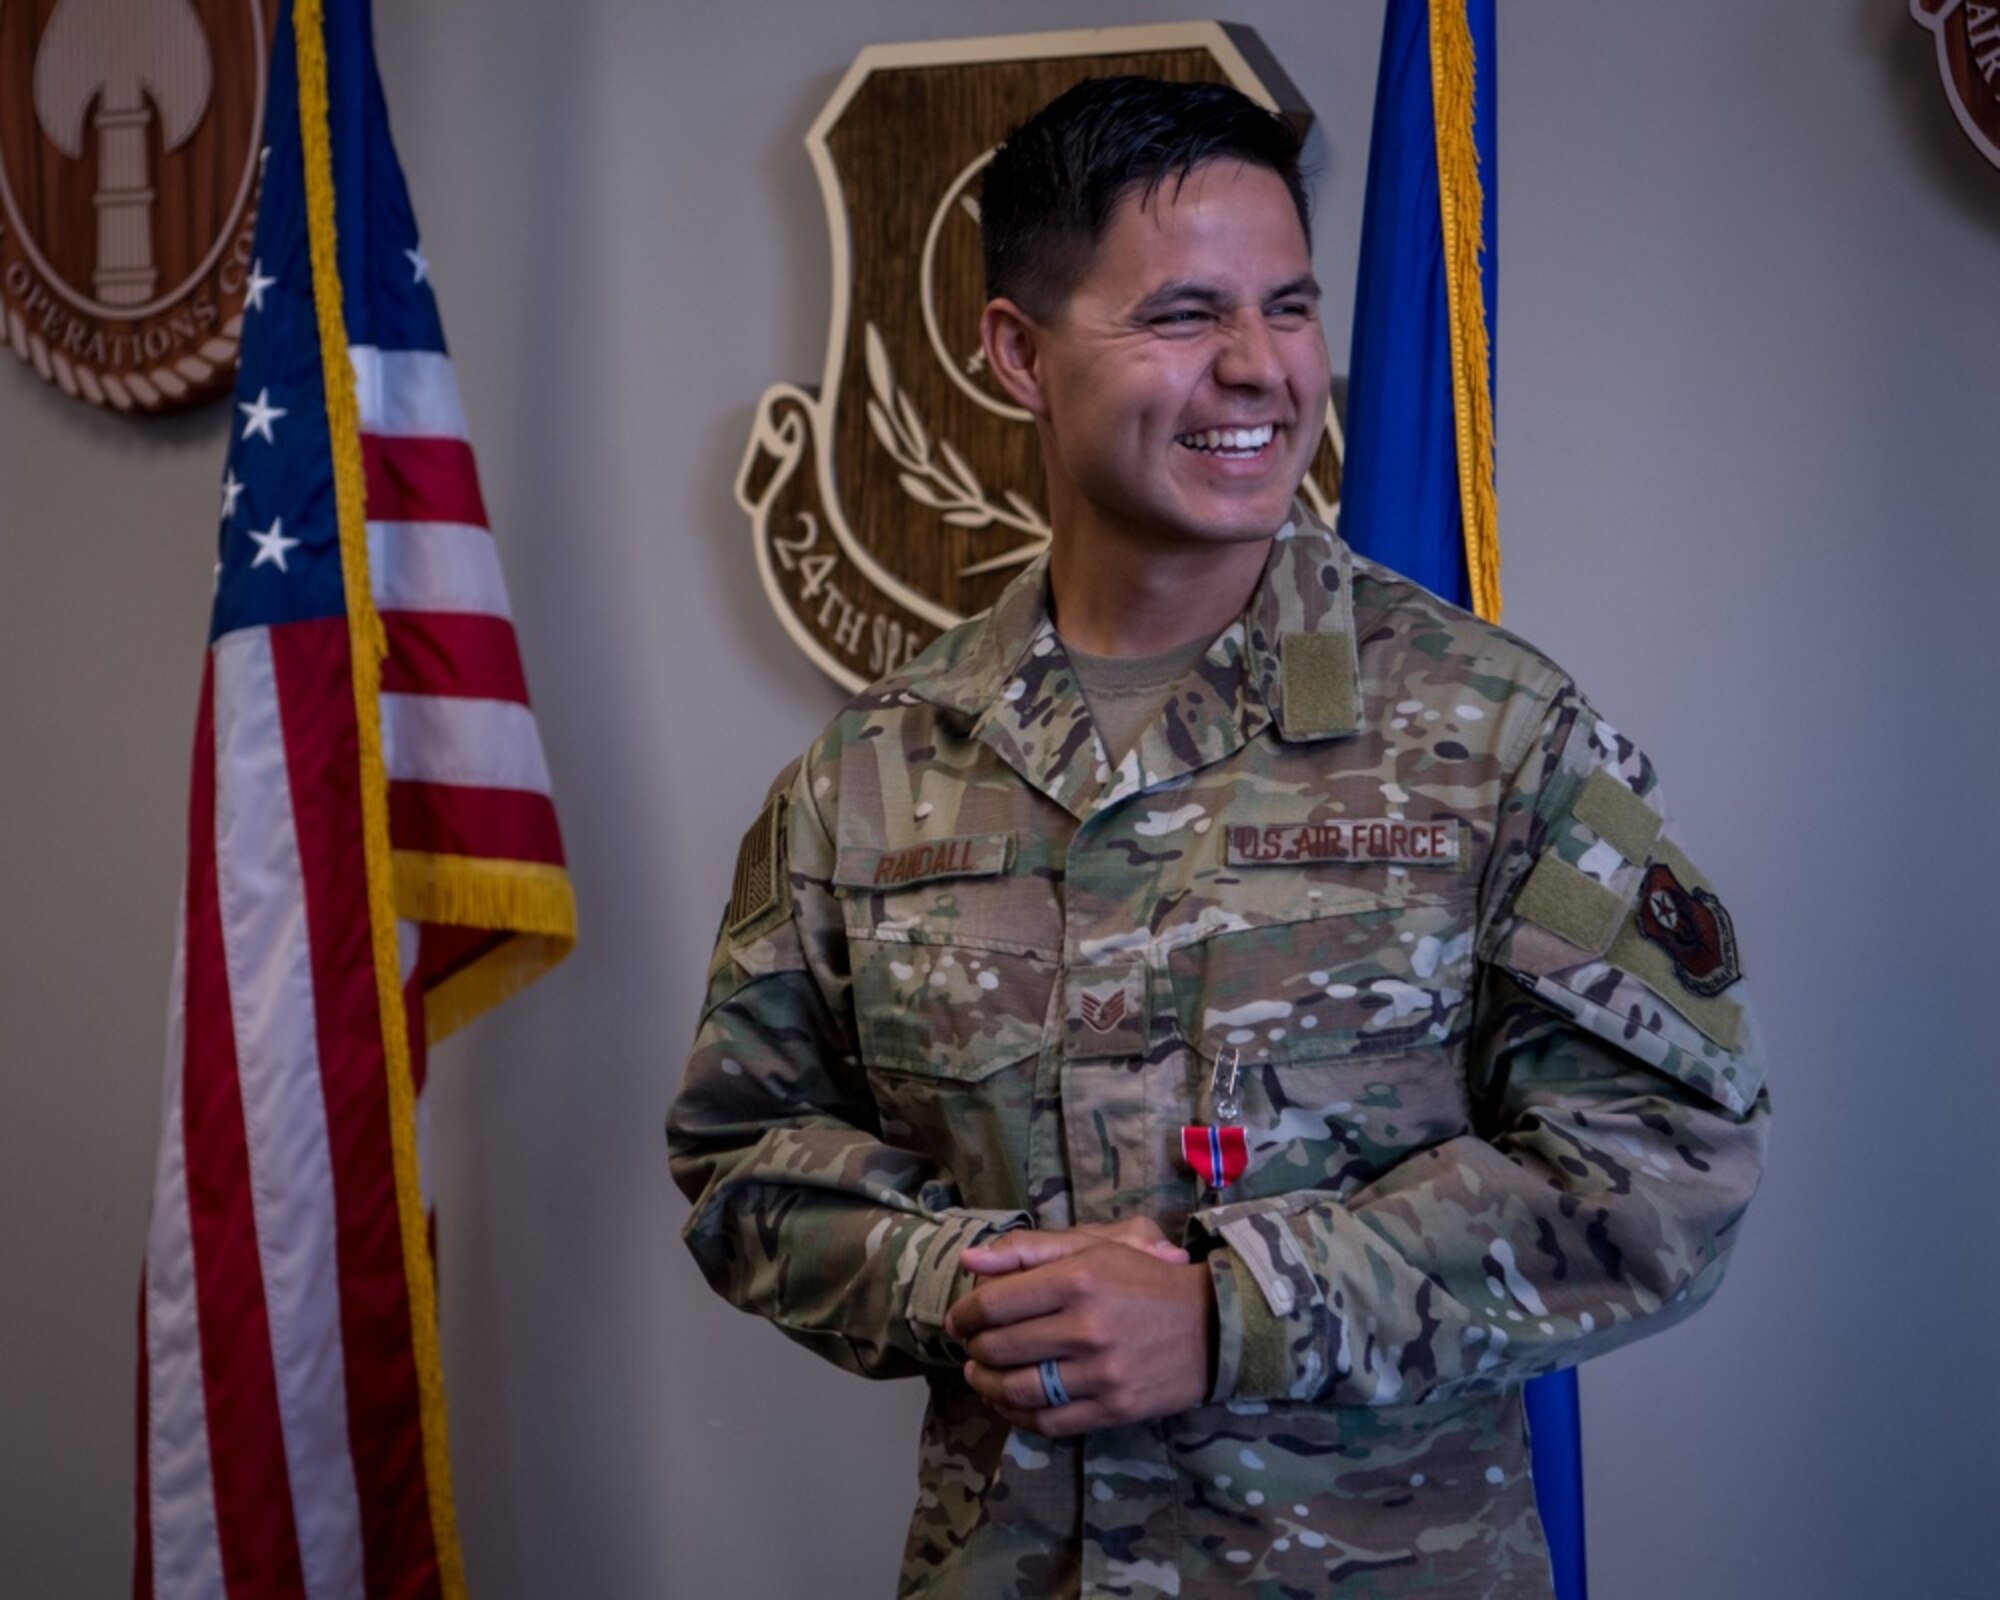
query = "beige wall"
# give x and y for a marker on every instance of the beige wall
(1748, 341)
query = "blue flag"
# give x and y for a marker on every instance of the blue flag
(1418, 493)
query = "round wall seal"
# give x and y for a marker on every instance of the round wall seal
(130, 139)
(1968, 59)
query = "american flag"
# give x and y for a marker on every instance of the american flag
(373, 858)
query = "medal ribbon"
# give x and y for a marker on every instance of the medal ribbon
(1220, 1155)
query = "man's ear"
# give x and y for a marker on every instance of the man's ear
(1011, 340)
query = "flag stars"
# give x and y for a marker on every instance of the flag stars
(253, 291)
(232, 491)
(258, 415)
(272, 544)
(420, 267)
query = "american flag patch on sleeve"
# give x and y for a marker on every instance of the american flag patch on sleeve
(760, 885)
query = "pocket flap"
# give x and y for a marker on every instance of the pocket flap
(1362, 983)
(948, 1011)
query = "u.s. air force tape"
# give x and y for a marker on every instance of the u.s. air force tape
(1394, 841)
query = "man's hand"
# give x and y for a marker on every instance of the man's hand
(1131, 1321)
(1010, 1252)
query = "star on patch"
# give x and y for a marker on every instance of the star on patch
(272, 544)
(1103, 1012)
(258, 415)
(420, 267)
(253, 291)
(1692, 927)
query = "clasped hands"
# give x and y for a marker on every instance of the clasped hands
(1128, 1316)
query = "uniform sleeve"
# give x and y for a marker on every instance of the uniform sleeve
(1618, 1130)
(802, 1213)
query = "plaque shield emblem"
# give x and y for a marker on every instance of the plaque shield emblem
(903, 493)
(129, 160)
(1968, 59)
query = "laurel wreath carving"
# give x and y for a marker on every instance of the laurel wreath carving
(151, 389)
(934, 474)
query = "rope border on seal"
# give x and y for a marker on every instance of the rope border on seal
(151, 390)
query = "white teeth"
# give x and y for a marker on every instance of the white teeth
(1231, 440)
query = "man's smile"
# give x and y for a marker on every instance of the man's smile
(1235, 444)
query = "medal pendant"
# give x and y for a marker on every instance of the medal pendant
(1218, 1155)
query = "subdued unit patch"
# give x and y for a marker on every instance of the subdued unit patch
(1679, 914)
(1317, 675)
(1570, 904)
(761, 885)
(1617, 815)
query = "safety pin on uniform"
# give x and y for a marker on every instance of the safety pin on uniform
(1218, 1151)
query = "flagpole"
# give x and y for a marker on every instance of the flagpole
(369, 645)
(1419, 491)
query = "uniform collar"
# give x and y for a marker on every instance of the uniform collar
(1290, 659)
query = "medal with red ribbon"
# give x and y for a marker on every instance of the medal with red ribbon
(1218, 1151)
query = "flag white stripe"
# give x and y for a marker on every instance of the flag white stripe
(268, 958)
(407, 393)
(187, 1550)
(436, 566)
(489, 744)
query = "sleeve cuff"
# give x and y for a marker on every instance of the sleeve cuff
(1252, 1345)
(938, 1280)
(1271, 1313)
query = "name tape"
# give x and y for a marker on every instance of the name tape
(968, 855)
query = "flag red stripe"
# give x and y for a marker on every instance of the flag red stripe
(449, 950)
(454, 820)
(453, 653)
(422, 480)
(142, 1487)
(253, 1498)
(311, 661)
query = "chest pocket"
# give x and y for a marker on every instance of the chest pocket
(1349, 1031)
(944, 1009)
(1366, 981)
(951, 1033)
(953, 954)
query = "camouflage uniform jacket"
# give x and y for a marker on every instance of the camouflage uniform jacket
(1502, 1105)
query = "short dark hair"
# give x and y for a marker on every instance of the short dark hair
(1051, 188)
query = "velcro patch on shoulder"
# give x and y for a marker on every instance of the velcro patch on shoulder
(1617, 815)
(1356, 841)
(1721, 1020)
(761, 885)
(1317, 672)
(966, 855)
(1570, 904)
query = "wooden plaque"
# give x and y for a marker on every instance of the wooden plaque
(904, 492)
(130, 133)
(1968, 57)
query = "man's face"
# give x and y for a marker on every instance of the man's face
(1183, 388)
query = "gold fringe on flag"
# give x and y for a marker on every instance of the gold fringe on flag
(531, 901)
(368, 646)
(1462, 203)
